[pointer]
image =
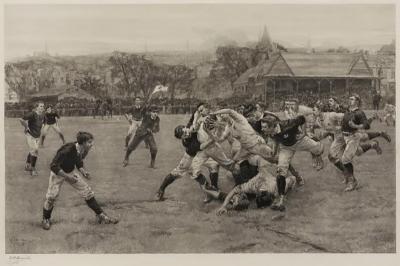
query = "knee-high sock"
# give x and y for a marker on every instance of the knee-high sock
(293, 171)
(47, 213)
(28, 158)
(348, 170)
(214, 179)
(62, 137)
(127, 138)
(339, 166)
(365, 146)
(281, 183)
(33, 161)
(168, 180)
(92, 203)
(153, 155)
(201, 179)
(372, 135)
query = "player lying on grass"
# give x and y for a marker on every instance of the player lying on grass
(33, 123)
(261, 186)
(69, 157)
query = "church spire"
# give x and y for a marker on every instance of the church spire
(265, 41)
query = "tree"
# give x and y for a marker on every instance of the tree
(179, 77)
(91, 83)
(121, 69)
(136, 74)
(234, 61)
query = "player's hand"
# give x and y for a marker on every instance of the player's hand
(85, 174)
(27, 130)
(72, 179)
(221, 211)
(352, 124)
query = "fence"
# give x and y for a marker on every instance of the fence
(177, 109)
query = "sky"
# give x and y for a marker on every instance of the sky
(88, 29)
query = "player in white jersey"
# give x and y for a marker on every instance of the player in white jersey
(250, 141)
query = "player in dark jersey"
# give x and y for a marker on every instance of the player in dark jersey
(33, 122)
(145, 132)
(68, 158)
(192, 147)
(51, 118)
(347, 144)
(289, 138)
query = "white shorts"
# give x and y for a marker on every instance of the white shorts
(33, 144)
(133, 127)
(185, 166)
(217, 154)
(55, 183)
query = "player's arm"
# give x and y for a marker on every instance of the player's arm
(193, 123)
(364, 121)
(227, 111)
(223, 209)
(81, 169)
(24, 121)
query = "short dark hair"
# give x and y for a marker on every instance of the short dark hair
(264, 199)
(270, 120)
(178, 132)
(82, 137)
(200, 104)
(358, 98)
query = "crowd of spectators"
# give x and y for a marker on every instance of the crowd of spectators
(99, 107)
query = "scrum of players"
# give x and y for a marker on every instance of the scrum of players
(255, 147)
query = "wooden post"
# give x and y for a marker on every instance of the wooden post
(265, 91)
(273, 103)
(330, 87)
(297, 88)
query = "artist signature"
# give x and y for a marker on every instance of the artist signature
(16, 259)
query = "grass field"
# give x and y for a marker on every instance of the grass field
(319, 217)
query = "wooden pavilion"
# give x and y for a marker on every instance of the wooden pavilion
(298, 74)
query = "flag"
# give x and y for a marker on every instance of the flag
(160, 88)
